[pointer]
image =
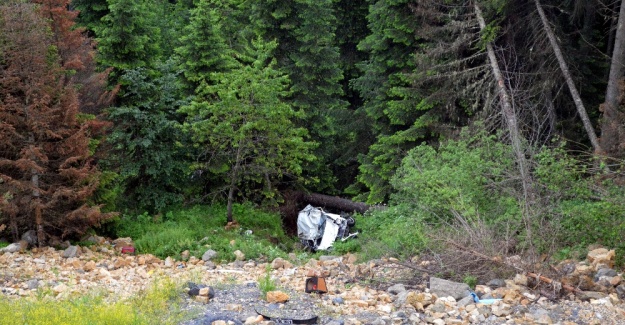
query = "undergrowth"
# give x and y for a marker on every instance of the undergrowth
(259, 235)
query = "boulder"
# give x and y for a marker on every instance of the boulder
(12, 248)
(601, 258)
(446, 288)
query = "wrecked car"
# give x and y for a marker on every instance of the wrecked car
(318, 230)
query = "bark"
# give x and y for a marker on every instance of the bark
(581, 110)
(233, 182)
(332, 202)
(612, 133)
(513, 127)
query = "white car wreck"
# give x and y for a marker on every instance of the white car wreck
(318, 230)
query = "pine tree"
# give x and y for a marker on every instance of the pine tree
(203, 49)
(46, 173)
(129, 37)
(245, 129)
(148, 150)
(308, 52)
(396, 111)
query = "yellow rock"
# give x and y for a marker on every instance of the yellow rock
(277, 297)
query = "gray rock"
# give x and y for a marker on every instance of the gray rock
(587, 295)
(604, 272)
(395, 289)
(71, 251)
(620, 291)
(496, 283)
(338, 301)
(210, 265)
(401, 298)
(32, 284)
(30, 237)
(12, 248)
(446, 288)
(465, 301)
(378, 322)
(335, 322)
(209, 255)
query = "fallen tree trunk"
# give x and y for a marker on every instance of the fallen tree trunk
(334, 203)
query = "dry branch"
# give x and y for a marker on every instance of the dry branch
(538, 277)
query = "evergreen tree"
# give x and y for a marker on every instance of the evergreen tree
(397, 112)
(149, 152)
(129, 37)
(245, 129)
(307, 51)
(46, 170)
(203, 50)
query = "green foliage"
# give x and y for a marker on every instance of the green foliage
(470, 280)
(266, 283)
(396, 231)
(149, 153)
(159, 304)
(128, 37)
(458, 177)
(203, 49)
(201, 228)
(245, 129)
(397, 113)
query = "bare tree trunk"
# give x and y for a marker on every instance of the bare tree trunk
(233, 183)
(569, 80)
(612, 133)
(513, 128)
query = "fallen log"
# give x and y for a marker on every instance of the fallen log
(329, 202)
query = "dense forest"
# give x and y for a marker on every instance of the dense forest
(504, 118)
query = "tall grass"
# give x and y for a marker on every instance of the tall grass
(160, 304)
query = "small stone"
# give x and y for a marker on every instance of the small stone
(337, 301)
(12, 248)
(254, 320)
(32, 284)
(202, 299)
(520, 279)
(396, 289)
(71, 251)
(207, 291)
(169, 262)
(185, 255)
(239, 255)
(277, 263)
(209, 255)
(59, 288)
(496, 283)
(89, 266)
(277, 297)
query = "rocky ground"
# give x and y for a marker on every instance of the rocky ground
(376, 292)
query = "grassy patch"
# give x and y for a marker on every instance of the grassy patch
(200, 228)
(160, 304)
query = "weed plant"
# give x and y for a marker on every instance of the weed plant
(266, 283)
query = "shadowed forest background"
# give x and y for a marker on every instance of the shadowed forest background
(497, 125)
